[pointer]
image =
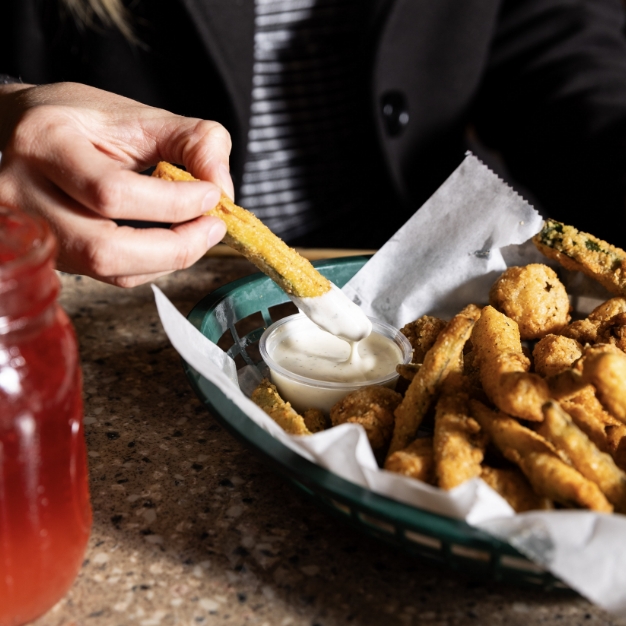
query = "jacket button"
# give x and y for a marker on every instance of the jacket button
(395, 110)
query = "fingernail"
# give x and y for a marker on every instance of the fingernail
(226, 182)
(211, 199)
(216, 232)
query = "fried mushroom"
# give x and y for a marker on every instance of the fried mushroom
(373, 408)
(534, 297)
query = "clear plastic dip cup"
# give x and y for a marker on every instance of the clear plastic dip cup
(310, 391)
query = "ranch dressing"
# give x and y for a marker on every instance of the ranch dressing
(309, 351)
(312, 368)
(336, 314)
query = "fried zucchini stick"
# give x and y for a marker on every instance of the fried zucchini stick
(416, 461)
(576, 250)
(444, 356)
(606, 371)
(559, 428)
(549, 475)
(570, 382)
(266, 396)
(248, 235)
(587, 331)
(514, 487)
(608, 433)
(458, 442)
(504, 367)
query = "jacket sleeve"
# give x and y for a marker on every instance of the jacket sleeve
(553, 103)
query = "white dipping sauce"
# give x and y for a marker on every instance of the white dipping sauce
(336, 313)
(312, 368)
(316, 354)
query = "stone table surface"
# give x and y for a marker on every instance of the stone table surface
(191, 528)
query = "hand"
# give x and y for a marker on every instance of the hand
(72, 153)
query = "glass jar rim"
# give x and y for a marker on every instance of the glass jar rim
(42, 247)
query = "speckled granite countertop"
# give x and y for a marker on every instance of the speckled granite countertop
(191, 528)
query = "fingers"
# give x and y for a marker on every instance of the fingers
(104, 186)
(127, 256)
(92, 245)
(202, 147)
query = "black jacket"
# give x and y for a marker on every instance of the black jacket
(541, 82)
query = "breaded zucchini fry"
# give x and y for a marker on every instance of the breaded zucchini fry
(566, 384)
(549, 475)
(608, 433)
(570, 382)
(422, 334)
(613, 331)
(444, 356)
(514, 487)
(266, 396)
(504, 367)
(408, 370)
(608, 310)
(458, 441)
(585, 253)
(248, 235)
(606, 371)
(559, 428)
(416, 461)
(588, 330)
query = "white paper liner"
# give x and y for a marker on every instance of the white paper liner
(450, 253)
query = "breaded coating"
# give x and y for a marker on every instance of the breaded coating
(569, 382)
(534, 297)
(373, 408)
(408, 370)
(415, 461)
(554, 354)
(605, 311)
(422, 334)
(504, 367)
(613, 331)
(549, 475)
(606, 432)
(514, 487)
(471, 369)
(586, 331)
(579, 251)
(248, 235)
(458, 442)
(606, 371)
(559, 428)
(566, 384)
(315, 420)
(266, 396)
(443, 357)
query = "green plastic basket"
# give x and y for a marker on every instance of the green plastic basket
(428, 536)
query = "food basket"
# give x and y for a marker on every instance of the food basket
(434, 538)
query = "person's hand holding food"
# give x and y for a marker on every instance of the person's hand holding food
(72, 153)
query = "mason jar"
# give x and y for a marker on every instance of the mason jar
(45, 514)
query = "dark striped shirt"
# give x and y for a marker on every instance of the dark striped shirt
(302, 155)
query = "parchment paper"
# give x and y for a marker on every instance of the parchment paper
(447, 255)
